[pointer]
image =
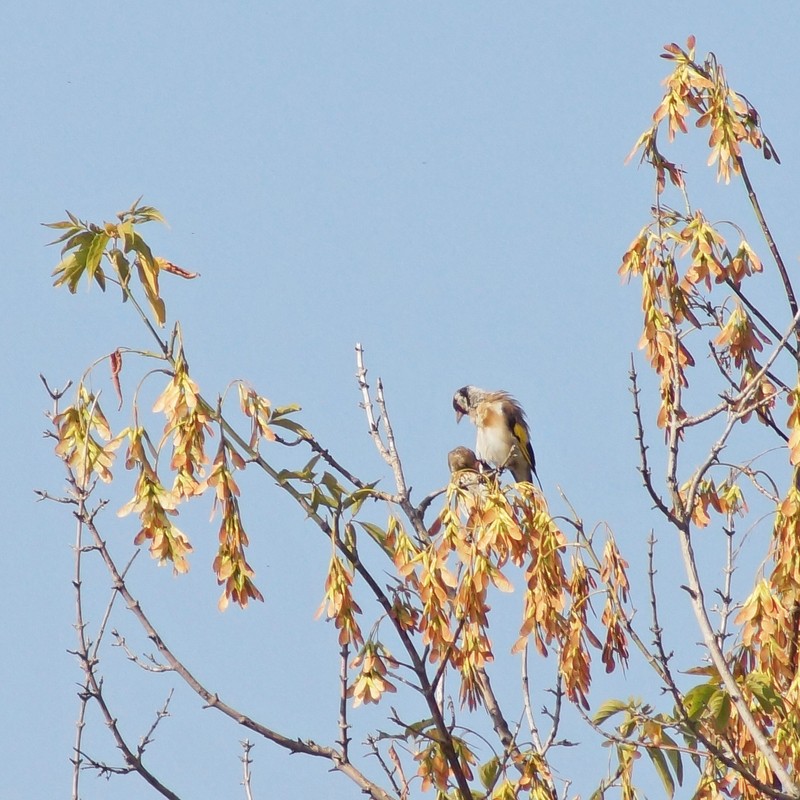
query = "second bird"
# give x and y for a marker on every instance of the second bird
(503, 436)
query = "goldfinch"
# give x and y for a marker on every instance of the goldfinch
(465, 470)
(503, 436)
(462, 458)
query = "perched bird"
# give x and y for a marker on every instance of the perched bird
(462, 458)
(465, 470)
(503, 436)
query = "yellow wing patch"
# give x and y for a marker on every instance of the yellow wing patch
(521, 435)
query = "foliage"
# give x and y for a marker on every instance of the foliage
(736, 726)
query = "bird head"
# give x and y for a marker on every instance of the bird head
(465, 400)
(461, 402)
(462, 458)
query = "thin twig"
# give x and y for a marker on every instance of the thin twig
(644, 466)
(526, 701)
(388, 449)
(160, 714)
(773, 248)
(153, 666)
(725, 594)
(247, 775)
(344, 738)
(402, 791)
(737, 290)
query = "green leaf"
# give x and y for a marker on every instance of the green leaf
(70, 231)
(628, 725)
(65, 223)
(319, 498)
(122, 268)
(125, 231)
(608, 709)
(674, 756)
(357, 498)
(487, 773)
(720, 707)
(662, 768)
(333, 486)
(77, 240)
(286, 475)
(145, 253)
(148, 214)
(307, 474)
(376, 532)
(696, 699)
(94, 253)
(416, 728)
(69, 271)
(290, 425)
(282, 411)
(159, 311)
(763, 691)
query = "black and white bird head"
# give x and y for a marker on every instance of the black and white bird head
(465, 400)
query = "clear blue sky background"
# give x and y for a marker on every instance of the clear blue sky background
(443, 182)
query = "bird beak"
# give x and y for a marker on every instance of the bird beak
(459, 414)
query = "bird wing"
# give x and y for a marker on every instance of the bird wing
(515, 418)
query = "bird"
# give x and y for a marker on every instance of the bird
(462, 458)
(466, 471)
(504, 439)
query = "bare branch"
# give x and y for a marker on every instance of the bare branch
(740, 407)
(526, 700)
(213, 700)
(152, 666)
(725, 593)
(247, 746)
(737, 290)
(644, 466)
(387, 450)
(773, 248)
(92, 687)
(160, 714)
(400, 788)
(344, 738)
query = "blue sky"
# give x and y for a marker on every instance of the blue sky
(442, 182)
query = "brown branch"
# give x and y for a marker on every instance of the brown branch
(555, 714)
(773, 248)
(402, 791)
(160, 714)
(644, 466)
(387, 450)
(742, 403)
(725, 594)
(753, 309)
(417, 661)
(344, 738)
(213, 700)
(92, 688)
(501, 728)
(695, 591)
(526, 700)
(660, 662)
(765, 417)
(426, 688)
(325, 455)
(153, 666)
